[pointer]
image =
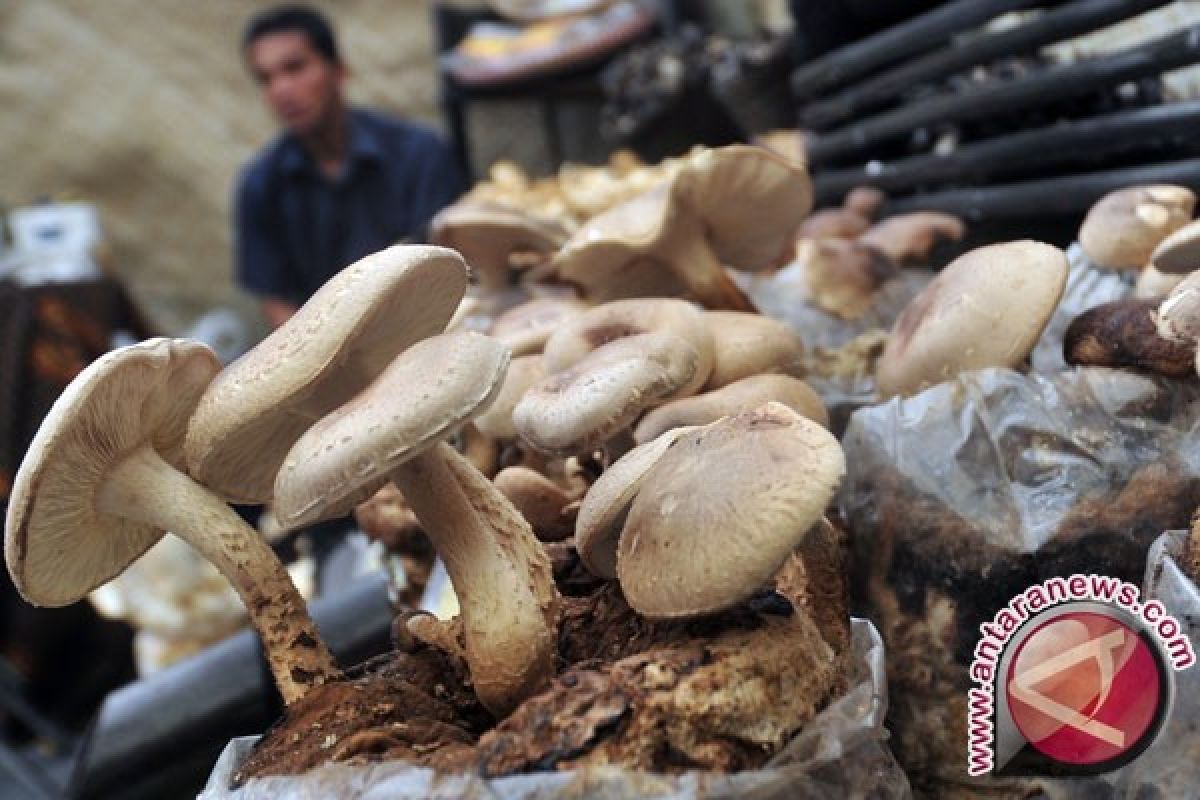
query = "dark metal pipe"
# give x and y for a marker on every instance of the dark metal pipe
(899, 41)
(1041, 88)
(157, 732)
(1070, 20)
(1067, 195)
(1067, 143)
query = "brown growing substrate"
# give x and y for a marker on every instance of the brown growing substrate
(929, 578)
(723, 692)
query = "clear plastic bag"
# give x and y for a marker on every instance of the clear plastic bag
(963, 496)
(843, 752)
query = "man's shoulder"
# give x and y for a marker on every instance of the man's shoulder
(257, 173)
(397, 132)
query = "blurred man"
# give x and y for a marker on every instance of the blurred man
(337, 183)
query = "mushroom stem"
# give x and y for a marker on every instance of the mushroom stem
(697, 266)
(146, 488)
(500, 573)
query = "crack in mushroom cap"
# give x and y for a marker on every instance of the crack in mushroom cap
(585, 405)
(723, 508)
(335, 345)
(601, 325)
(987, 308)
(1179, 253)
(1122, 229)
(424, 395)
(602, 513)
(58, 546)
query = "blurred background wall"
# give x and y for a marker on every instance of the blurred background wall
(146, 111)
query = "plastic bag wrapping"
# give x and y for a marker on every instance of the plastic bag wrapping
(840, 353)
(843, 752)
(1087, 286)
(961, 497)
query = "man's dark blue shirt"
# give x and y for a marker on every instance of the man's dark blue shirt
(295, 228)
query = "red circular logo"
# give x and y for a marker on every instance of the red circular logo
(1084, 688)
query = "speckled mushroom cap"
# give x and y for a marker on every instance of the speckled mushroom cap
(583, 406)
(751, 344)
(602, 513)
(58, 546)
(743, 395)
(335, 345)
(1178, 317)
(423, 396)
(525, 328)
(723, 508)
(598, 326)
(1122, 229)
(1179, 253)
(487, 234)
(987, 308)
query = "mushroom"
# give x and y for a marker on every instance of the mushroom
(1152, 283)
(910, 238)
(523, 374)
(602, 513)
(786, 143)
(866, 200)
(986, 308)
(1178, 317)
(549, 507)
(392, 430)
(851, 220)
(1179, 253)
(525, 328)
(751, 344)
(587, 404)
(742, 395)
(736, 205)
(693, 544)
(1123, 334)
(843, 276)
(320, 358)
(598, 326)
(493, 239)
(1122, 229)
(103, 480)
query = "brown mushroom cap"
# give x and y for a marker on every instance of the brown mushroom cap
(596, 327)
(525, 328)
(548, 507)
(1179, 253)
(59, 546)
(695, 544)
(1122, 229)
(843, 276)
(986, 308)
(1123, 334)
(497, 419)
(582, 407)
(602, 512)
(488, 235)
(751, 344)
(336, 344)
(427, 393)
(743, 395)
(910, 238)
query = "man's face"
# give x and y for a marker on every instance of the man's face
(300, 85)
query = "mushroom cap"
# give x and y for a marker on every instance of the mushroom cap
(1152, 283)
(1123, 333)
(987, 308)
(910, 238)
(596, 327)
(335, 345)
(743, 395)
(580, 408)
(1122, 229)
(497, 419)
(843, 276)
(486, 234)
(525, 328)
(723, 508)
(544, 504)
(751, 344)
(835, 223)
(58, 546)
(1179, 253)
(423, 396)
(602, 512)
(866, 200)
(1178, 317)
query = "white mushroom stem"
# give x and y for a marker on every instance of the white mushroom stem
(144, 487)
(693, 260)
(500, 573)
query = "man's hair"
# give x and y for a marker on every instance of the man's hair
(297, 18)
